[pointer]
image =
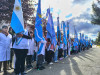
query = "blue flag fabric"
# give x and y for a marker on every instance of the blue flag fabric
(49, 24)
(64, 33)
(67, 30)
(54, 41)
(38, 24)
(17, 22)
(58, 31)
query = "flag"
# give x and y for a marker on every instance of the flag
(17, 22)
(76, 35)
(53, 33)
(49, 25)
(58, 30)
(67, 30)
(64, 33)
(38, 23)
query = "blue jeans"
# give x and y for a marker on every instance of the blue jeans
(56, 55)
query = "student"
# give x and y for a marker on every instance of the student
(56, 54)
(21, 47)
(61, 51)
(30, 51)
(11, 49)
(40, 54)
(69, 48)
(50, 52)
(65, 51)
(5, 41)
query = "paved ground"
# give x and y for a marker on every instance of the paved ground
(84, 63)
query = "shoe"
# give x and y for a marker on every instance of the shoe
(43, 67)
(56, 61)
(51, 63)
(40, 68)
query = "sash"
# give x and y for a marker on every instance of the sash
(19, 39)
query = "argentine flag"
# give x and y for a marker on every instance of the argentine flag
(17, 22)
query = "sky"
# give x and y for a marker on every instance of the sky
(78, 12)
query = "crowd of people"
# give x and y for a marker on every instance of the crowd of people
(20, 48)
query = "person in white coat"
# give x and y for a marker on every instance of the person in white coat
(5, 41)
(30, 51)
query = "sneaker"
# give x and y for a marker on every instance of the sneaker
(56, 61)
(39, 68)
(51, 63)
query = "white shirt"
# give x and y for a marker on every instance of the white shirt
(24, 43)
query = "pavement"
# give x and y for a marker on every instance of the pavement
(84, 63)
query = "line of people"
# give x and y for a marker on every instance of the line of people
(24, 48)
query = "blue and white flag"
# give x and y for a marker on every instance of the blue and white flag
(64, 33)
(49, 24)
(67, 30)
(58, 30)
(38, 24)
(54, 41)
(17, 22)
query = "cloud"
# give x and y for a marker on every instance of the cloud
(80, 1)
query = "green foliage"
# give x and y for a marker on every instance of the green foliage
(96, 15)
(6, 9)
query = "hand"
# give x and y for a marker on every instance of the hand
(19, 35)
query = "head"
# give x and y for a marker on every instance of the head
(25, 25)
(5, 29)
(31, 33)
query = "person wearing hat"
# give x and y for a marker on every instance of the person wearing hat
(5, 42)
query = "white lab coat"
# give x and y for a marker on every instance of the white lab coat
(5, 42)
(31, 47)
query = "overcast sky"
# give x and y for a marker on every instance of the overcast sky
(81, 15)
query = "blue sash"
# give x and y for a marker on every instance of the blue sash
(19, 39)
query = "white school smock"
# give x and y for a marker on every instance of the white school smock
(31, 47)
(5, 42)
(24, 43)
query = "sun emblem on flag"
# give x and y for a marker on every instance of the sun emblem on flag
(17, 8)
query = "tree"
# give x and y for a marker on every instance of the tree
(96, 13)
(98, 39)
(6, 9)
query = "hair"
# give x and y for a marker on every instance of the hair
(4, 26)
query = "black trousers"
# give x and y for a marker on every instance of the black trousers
(60, 53)
(46, 54)
(40, 60)
(50, 55)
(29, 60)
(20, 60)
